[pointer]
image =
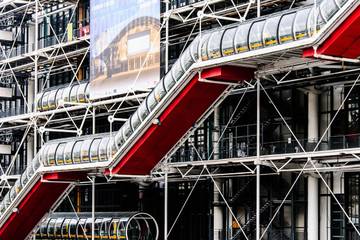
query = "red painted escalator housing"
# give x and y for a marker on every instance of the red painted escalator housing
(178, 118)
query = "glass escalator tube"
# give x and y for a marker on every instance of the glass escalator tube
(51, 154)
(113, 229)
(81, 95)
(255, 35)
(328, 9)
(80, 229)
(68, 159)
(177, 71)
(270, 32)
(51, 228)
(45, 100)
(59, 159)
(104, 228)
(315, 16)
(43, 154)
(135, 121)
(194, 49)
(87, 92)
(65, 229)
(151, 101)
(300, 24)
(169, 82)
(204, 46)
(66, 94)
(111, 148)
(214, 45)
(76, 153)
(143, 111)
(341, 2)
(13, 192)
(94, 150)
(52, 99)
(241, 38)
(73, 228)
(98, 222)
(43, 229)
(58, 228)
(85, 150)
(228, 42)
(186, 59)
(286, 33)
(39, 101)
(126, 130)
(59, 96)
(103, 149)
(159, 92)
(88, 228)
(74, 93)
(119, 139)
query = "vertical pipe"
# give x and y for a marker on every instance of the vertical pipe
(257, 163)
(94, 121)
(258, 8)
(36, 45)
(166, 204)
(167, 36)
(93, 208)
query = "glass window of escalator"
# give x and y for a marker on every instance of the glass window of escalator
(51, 228)
(113, 230)
(111, 148)
(204, 46)
(51, 154)
(286, 33)
(341, 2)
(74, 93)
(66, 94)
(59, 96)
(76, 153)
(45, 101)
(43, 229)
(255, 35)
(94, 150)
(72, 228)
(81, 92)
(104, 228)
(97, 228)
(315, 16)
(177, 71)
(103, 149)
(52, 99)
(328, 9)
(65, 229)
(169, 82)
(300, 24)
(88, 228)
(39, 101)
(214, 45)
(151, 101)
(68, 152)
(80, 230)
(43, 154)
(60, 154)
(143, 110)
(186, 59)
(126, 130)
(270, 31)
(241, 38)
(85, 150)
(194, 49)
(227, 44)
(58, 228)
(135, 121)
(160, 91)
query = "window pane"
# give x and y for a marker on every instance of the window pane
(228, 42)
(241, 38)
(271, 30)
(300, 25)
(214, 44)
(286, 28)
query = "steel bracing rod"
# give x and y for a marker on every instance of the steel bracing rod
(257, 162)
(76, 215)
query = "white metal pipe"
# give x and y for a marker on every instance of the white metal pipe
(257, 162)
(313, 209)
(93, 208)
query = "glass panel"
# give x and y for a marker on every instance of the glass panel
(341, 2)
(104, 231)
(111, 148)
(119, 139)
(85, 151)
(214, 45)
(160, 91)
(80, 229)
(51, 154)
(44, 152)
(59, 96)
(103, 149)
(186, 59)
(227, 44)
(151, 101)
(87, 91)
(315, 14)
(76, 152)
(45, 100)
(60, 154)
(195, 49)
(169, 81)
(43, 229)
(58, 225)
(300, 25)
(74, 93)
(94, 150)
(98, 223)
(68, 152)
(241, 38)
(270, 31)
(39, 101)
(143, 111)
(177, 71)
(51, 99)
(135, 121)
(51, 228)
(255, 36)
(126, 130)
(328, 8)
(73, 227)
(204, 46)
(81, 92)
(65, 229)
(286, 28)
(113, 232)
(66, 94)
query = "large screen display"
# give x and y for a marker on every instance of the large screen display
(125, 46)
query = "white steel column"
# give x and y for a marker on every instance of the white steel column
(313, 187)
(313, 209)
(257, 162)
(217, 211)
(93, 208)
(36, 59)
